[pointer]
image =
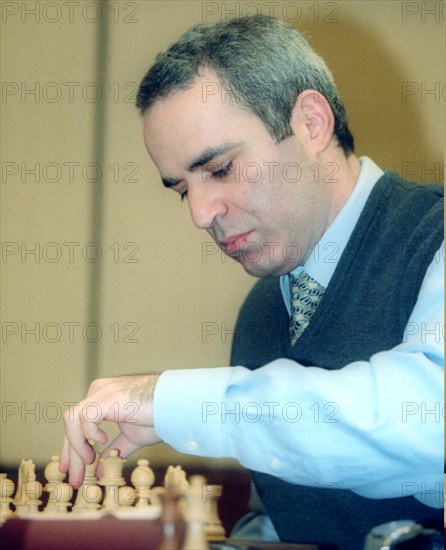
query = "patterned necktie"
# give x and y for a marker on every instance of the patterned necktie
(306, 294)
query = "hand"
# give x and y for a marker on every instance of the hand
(125, 400)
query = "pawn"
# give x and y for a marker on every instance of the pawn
(112, 479)
(142, 479)
(60, 493)
(196, 514)
(88, 498)
(89, 494)
(6, 490)
(59, 498)
(126, 496)
(90, 469)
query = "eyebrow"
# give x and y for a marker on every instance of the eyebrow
(210, 153)
(202, 159)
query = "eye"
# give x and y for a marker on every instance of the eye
(183, 195)
(223, 171)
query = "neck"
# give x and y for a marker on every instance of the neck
(344, 180)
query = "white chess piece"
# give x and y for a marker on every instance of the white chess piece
(89, 494)
(112, 479)
(176, 477)
(60, 493)
(213, 527)
(29, 490)
(142, 479)
(6, 490)
(195, 515)
(127, 496)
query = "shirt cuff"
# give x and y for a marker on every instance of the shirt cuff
(187, 409)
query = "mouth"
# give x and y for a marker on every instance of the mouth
(235, 244)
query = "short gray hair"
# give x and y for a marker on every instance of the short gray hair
(262, 64)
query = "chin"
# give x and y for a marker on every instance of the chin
(260, 269)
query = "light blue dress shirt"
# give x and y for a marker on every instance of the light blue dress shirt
(375, 427)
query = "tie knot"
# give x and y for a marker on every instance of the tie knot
(305, 284)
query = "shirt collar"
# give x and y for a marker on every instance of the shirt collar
(322, 262)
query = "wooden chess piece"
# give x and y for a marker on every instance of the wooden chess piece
(213, 527)
(195, 516)
(89, 494)
(142, 479)
(127, 496)
(60, 493)
(29, 490)
(175, 477)
(6, 490)
(171, 520)
(112, 479)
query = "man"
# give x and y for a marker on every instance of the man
(243, 120)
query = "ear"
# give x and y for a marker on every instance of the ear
(313, 121)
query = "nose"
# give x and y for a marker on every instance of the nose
(205, 206)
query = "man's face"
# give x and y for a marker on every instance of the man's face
(259, 200)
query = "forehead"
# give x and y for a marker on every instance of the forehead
(188, 121)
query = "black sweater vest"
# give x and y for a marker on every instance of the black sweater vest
(377, 281)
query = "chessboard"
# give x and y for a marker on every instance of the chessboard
(109, 512)
(180, 513)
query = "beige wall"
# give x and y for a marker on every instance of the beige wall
(386, 57)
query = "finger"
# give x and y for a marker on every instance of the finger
(74, 425)
(76, 469)
(124, 446)
(98, 385)
(71, 462)
(64, 460)
(93, 433)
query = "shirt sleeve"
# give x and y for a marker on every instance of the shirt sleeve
(373, 427)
